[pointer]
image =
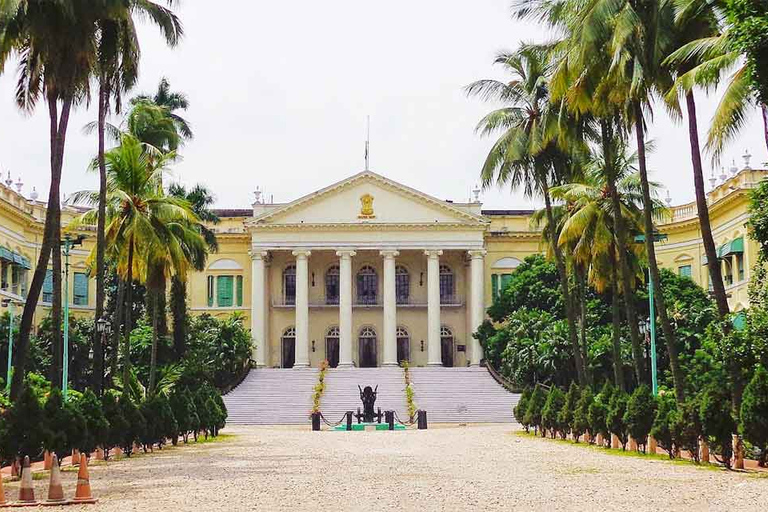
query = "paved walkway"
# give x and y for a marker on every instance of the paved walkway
(459, 468)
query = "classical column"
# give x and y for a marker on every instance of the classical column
(476, 302)
(259, 308)
(390, 309)
(302, 308)
(345, 307)
(434, 352)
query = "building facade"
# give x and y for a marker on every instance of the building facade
(369, 272)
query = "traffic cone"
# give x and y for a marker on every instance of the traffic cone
(27, 489)
(75, 457)
(2, 494)
(47, 460)
(83, 491)
(55, 490)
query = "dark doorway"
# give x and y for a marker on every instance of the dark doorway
(332, 347)
(367, 348)
(289, 348)
(403, 345)
(446, 346)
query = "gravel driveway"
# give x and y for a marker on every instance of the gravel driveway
(457, 468)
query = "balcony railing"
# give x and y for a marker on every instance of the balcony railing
(369, 302)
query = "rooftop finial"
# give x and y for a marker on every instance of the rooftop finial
(34, 195)
(668, 199)
(476, 193)
(257, 193)
(747, 157)
(9, 180)
(712, 179)
(19, 185)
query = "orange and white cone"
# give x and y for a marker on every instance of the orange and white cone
(83, 491)
(27, 489)
(55, 490)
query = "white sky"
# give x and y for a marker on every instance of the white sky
(280, 91)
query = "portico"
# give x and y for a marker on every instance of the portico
(367, 272)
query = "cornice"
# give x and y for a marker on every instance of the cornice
(369, 226)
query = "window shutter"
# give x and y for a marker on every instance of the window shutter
(495, 285)
(224, 291)
(80, 289)
(48, 286)
(505, 280)
(210, 291)
(240, 291)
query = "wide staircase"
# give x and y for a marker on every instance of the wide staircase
(462, 395)
(449, 395)
(341, 392)
(272, 396)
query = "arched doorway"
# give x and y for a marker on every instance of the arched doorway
(446, 346)
(332, 346)
(288, 342)
(367, 348)
(403, 345)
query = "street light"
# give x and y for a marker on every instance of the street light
(8, 303)
(640, 239)
(67, 244)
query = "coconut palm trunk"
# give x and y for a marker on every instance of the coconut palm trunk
(50, 241)
(715, 275)
(56, 302)
(98, 348)
(567, 298)
(128, 318)
(625, 278)
(618, 369)
(117, 327)
(661, 306)
(154, 294)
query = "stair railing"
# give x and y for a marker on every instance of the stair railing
(506, 384)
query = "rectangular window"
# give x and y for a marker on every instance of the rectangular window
(239, 281)
(740, 266)
(495, 285)
(505, 279)
(210, 291)
(48, 287)
(4, 274)
(685, 271)
(15, 279)
(80, 289)
(224, 298)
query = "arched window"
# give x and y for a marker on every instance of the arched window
(402, 284)
(288, 342)
(367, 285)
(289, 285)
(332, 346)
(367, 347)
(332, 285)
(446, 345)
(446, 284)
(403, 345)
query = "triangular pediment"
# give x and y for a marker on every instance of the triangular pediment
(368, 198)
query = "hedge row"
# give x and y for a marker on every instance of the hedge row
(36, 423)
(675, 426)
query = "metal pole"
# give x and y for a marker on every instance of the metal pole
(10, 349)
(65, 366)
(652, 315)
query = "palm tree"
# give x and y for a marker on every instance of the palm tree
(200, 200)
(117, 72)
(172, 102)
(56, 45)
(529, 153)
(146, 229)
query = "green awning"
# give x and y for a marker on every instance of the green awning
(25, 263)
(18, 258)
(733, 247)
(6, 254)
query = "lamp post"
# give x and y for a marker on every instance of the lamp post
(104, 328)
(8, 303)
(640, 239)
(67, 244)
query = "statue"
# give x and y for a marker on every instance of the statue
(368, 397)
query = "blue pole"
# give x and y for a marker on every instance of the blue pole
(652, 314)
(10, 349)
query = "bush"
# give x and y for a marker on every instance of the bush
(686, 428)
(565, 417)
(64, 427)
(717, 422)
(581, 422)
(184, 412)
(551, 411)
(24, 418)
(666, 414)
(598, 414)
(614, 419)
(217, 351)
(754, 413)
(641, 410)
(117, 424)
(134, 422)
(522, 404)
(535, 406)
(96, 425)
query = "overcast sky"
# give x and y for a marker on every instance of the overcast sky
(280, 92)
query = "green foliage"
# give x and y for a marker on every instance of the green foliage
(614, 420)
(534, 284)
(522, 405)
(685, 424)
(758, 217)
(23, 422)
(551, 412)
(748, 26)
(184, 411)
(64, 426)
(536, 403)
(666, 413)
(640, 413)
(565, 417)
(96, 425)
(80, 341)
(754, 413)
(135, 424)
(717, 421)
(581, 423)
(117, 422)
(598, 412)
